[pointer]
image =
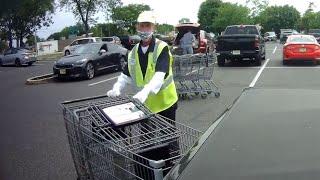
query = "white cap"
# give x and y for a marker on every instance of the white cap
(147, 16)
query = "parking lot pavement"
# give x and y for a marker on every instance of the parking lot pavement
(33, 143)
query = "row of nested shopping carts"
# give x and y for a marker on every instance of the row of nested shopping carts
(193, 75)
(144, 150)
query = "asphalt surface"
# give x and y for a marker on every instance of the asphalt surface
(33, 143)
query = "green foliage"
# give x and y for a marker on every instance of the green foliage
(184, 20)
(107, 29)
(208, 13)
(25, 18)
(77, 30)
(310, 20)
(126, 16)
(85, 10)
(231, 14)
(257, 6)
(275, 18)
(164, 28)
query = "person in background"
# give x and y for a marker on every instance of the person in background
(186, 42)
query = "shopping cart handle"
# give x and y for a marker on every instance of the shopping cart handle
(157, 164)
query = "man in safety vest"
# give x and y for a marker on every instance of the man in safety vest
(149, 69)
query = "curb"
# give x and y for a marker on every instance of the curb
(40, 79)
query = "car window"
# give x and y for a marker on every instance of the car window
(14, 51)
(74, 43)
(302, 39)
(83, 41)
(98, 40)
(241, 30)
(8, 51)
(107, 39)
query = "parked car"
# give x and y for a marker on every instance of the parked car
(301, 47)
(18, 57)
(89, 59)
(270, 36)
(76, 43)
(201, 44)
(241, 42)
(113, 39)
(315, 33)
(284, 33)
(267, 134)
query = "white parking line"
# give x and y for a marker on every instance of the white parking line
(102, 81)
(275, 49)
(285, 67)
(253, 83)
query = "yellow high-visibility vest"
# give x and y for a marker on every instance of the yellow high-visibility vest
(167, 95)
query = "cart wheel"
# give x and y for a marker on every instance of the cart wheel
(204, 96)
(184, 96)
(209, 92)
(196, 93)
(217, 94)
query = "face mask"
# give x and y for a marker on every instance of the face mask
(145, 35)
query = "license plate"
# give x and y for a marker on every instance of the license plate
(303, 50)
(63, 71)
(236, 52)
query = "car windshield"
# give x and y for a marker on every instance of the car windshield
(88, 49)
(303, 39)
(241, 30)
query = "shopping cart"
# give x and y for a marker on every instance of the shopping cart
(193, 74)
(101, 150)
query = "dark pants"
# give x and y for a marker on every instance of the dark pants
(162, 153)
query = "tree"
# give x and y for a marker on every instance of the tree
(257, 6)
(310, 20)
(184, 20)
(26, 18)
(231, 14)
(207, 14)
(126, 16)
(76, 30)
(275, 18)
(86, 9)
(107, 29)
(164, 28)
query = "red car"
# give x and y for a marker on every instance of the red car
(301, 48)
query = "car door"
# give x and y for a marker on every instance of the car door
(104, 59)
(7, 58)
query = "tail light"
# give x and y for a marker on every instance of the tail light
(256, 42)
(316, 47)
(287, 47)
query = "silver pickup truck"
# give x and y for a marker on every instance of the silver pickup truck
(18, 57)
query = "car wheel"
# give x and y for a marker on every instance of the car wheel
(17, 62)
(221, 61)
(122, 63)
(30, 64)
(1, 64)
(258, 60)
(89, 70)
(66, 53)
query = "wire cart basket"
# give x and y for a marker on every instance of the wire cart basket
(193, 74)
(144, 150)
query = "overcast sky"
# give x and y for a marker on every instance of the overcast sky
(167, 11)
